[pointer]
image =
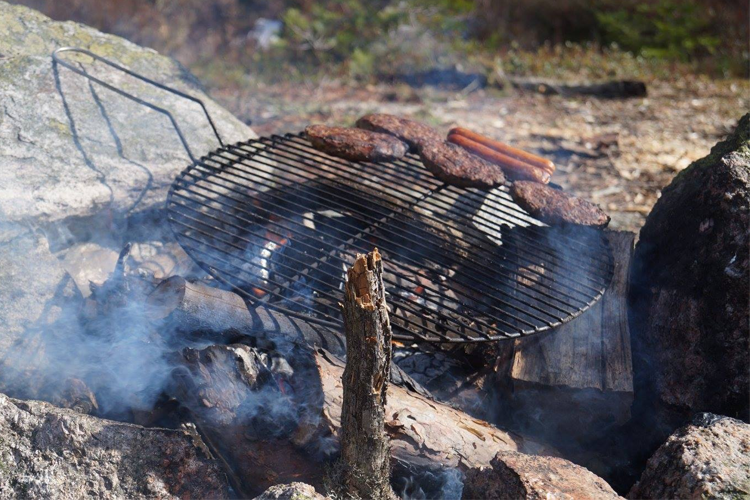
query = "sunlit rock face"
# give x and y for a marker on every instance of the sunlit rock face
(71, 148)
(48, 452)
(706, 459)
(80, 166)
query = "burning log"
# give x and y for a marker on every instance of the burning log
(224, 316)
(364, 443)
(196, 307)
(272, 426)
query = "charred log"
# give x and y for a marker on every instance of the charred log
(221, 316)
(273, 425)
(617, 89)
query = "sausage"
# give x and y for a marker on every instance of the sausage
(500, 147)
(513, 168)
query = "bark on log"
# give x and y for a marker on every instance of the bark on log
(364, 443)
(224, 388)
(196, 308)
(424, 433)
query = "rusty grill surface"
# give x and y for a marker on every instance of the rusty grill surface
(279, 222)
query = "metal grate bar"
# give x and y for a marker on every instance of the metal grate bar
(464, 265)
(533, 249)
(486, 268)
(363, 248)
(412, 163)
(356, 170)
(579, 283)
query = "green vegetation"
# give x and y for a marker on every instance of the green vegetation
(667, 29)
(369, 39)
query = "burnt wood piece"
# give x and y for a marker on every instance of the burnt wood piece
(577, 379)
(222, 316)
(411, 132)
(355, 144)
(455, 165)
(365, 453)
(245, 413)
(555, 207)
(424, 433)
(273, 425)
(616, 89)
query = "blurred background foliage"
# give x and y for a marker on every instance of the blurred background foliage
(376, 39)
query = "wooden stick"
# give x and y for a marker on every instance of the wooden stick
(365, 447)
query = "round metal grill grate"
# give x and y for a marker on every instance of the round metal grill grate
(279, 222)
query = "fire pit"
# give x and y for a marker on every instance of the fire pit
(277, 221)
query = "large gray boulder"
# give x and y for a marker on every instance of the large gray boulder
(48, 452)
(79, 163)
(68, 148)
(709, 458)
(690, 317)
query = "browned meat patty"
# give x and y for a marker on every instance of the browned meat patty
(355, 144)
(454, 165)
(411, 132)
(554, 207)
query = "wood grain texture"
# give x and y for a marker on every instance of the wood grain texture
(365, 451)
(593, 350)
(582, 370)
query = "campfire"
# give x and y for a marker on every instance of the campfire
(375, 319)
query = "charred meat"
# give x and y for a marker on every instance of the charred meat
(355, 144)
(554, 207)
(411, 132)
(454, 165)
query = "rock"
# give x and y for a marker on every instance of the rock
(689, 291)
(709, 458)
(80, 166)
(89, 263)
(292, 491)
(514, 475)
(73, 149)
(47, 452)
(30, 276)
(161, 260)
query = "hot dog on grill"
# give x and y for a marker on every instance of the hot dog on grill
(500, 147)
(513, 168)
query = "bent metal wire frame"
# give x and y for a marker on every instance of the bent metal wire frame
(278, 222)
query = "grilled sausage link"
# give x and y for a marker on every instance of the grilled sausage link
(500, 147)
(513, 168)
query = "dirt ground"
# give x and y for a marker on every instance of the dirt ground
(617, 153)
